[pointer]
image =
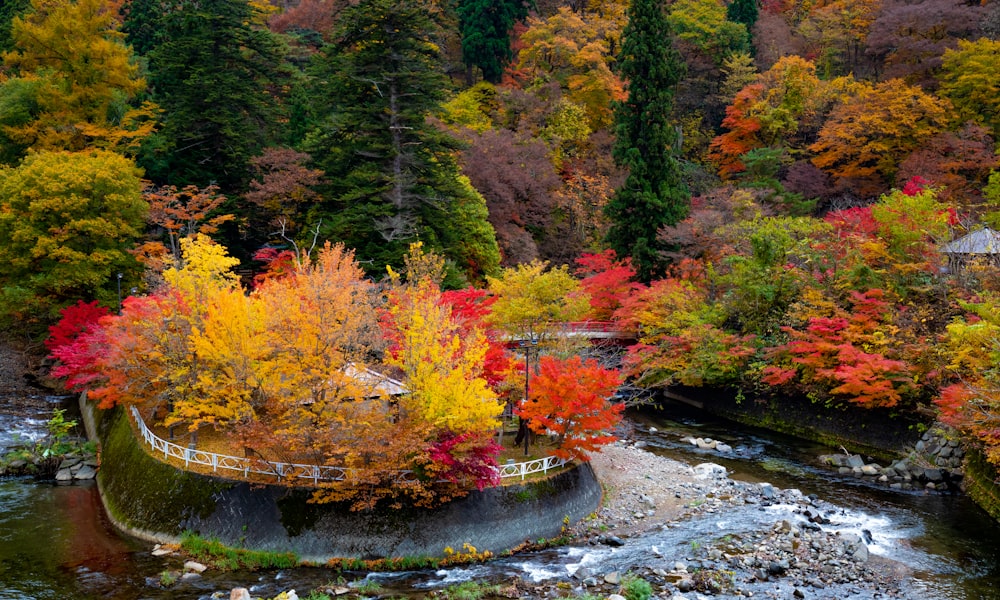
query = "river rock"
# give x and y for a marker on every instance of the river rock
(870, 470)
(616, 597)
(709, 471)
(195, 567)
(613, 578)
(855, 461)
(85, 472)
(933, 475)
(726, 448)
(64, 475)
(240, 594)
(706, 444)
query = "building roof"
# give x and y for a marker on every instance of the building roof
(380, 383)
(981, 241)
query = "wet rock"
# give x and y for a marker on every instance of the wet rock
(777, 567)
(191, 576)
(933, 475)
(870, 470)
(799, 593)
(685, 585)
(64, 475)
(613, 541)
(583, 573)
(195, 567)
(85, 472)
(855, 461)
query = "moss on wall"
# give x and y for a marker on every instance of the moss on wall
(981, 483)
(143, 493)
(153, 500)
(873, 432)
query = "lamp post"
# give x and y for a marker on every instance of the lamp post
(526, 345)
(119, 293)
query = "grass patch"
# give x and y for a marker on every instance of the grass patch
(223, 557)
(468, 590)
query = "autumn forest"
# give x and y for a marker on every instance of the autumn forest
(227, 211)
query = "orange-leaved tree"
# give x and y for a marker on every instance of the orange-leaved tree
(571, 400)
(971, 402)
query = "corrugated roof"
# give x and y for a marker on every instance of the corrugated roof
(981, 241)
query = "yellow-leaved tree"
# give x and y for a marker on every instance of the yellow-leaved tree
(75, 81)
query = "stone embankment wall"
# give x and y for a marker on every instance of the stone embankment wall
(155, 501)
(935, 463)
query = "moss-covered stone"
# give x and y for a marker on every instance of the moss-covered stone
(981, 483)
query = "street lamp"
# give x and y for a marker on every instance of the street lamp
(119, 293)
(526, 345)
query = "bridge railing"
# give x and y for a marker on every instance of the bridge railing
(290, 471)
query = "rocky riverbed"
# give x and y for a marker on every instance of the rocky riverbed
(791, 554)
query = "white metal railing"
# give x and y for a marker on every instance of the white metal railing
(542, 465)
(316, 473)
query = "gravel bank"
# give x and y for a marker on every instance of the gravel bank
(792, 557)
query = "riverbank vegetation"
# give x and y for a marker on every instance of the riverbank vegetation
(822, 193)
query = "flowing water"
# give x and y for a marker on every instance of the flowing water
(56, 543)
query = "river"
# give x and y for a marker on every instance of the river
(56, 543)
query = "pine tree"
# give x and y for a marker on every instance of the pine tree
(653, 194)
(743, 11)
(212, 73)
(485, 26)
(393, 177)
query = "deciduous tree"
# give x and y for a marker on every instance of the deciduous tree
(75, 81)
(866, 137)
(570, 399)
(67, 221)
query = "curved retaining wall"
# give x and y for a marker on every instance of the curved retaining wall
(155, 501)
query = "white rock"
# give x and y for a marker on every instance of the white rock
(614, 578)
(162, 552)
(196, 567)
(240, 594)
(709, 471)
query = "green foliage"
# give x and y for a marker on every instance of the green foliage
(67, 221)
(969, 78)
(223, 557)
(704, 24)
(743, 11)
(485, 26)
(468, 590)
(653, 195)
(211, 71)
(472, 108)
(636, 588)
(393, 177)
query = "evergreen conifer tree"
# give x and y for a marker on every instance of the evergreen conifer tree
(212, 73)
(653, 195)
(485, 26)
(392, 175)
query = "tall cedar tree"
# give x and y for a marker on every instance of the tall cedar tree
(485, 26)
(211, 71)
(653, 194)
(393, 177)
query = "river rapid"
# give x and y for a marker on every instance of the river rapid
(56, 542)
